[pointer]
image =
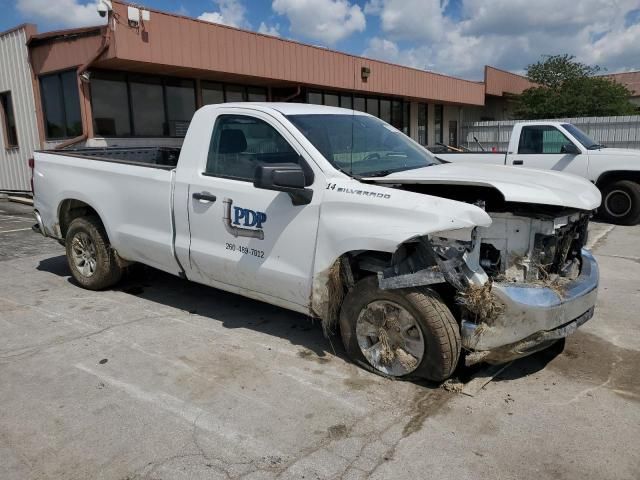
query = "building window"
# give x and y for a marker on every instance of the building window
(346, 101)
(212, 93)
(110, 105)
(314, 98)
(61, 105)
(141, 105)
(219, 93)
(181, 105)
(422, 124)
(8, 121)
(438, 120)
(373, 107)
(394, 112)
(406, 122)
(147, 106)
(385, 110)
(331, 100)
(255, 94)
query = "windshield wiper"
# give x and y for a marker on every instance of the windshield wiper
(595, 146)
(379, 173)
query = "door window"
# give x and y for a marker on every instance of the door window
(239, 144)
(542, 139)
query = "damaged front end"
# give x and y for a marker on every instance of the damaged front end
(519, 284)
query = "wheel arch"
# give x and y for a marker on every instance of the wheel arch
(615, 175)
(70, 209)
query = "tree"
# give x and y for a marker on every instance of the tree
(567, 88)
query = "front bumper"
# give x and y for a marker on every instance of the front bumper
(534, 316)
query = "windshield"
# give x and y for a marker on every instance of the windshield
(582, 137)
(361, 145)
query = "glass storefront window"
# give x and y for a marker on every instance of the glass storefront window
(110, 105)
(385, 110)
(256, 94)
(315, 98)
(373, 107)
(234, 93)
(181, 105)
(331, 100)
(212, 93)
(437, 126)
(346, 101)
(422, 124)
(359, 104)
(147, 107)
(61, 105)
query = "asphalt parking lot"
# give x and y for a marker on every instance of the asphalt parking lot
(166, 379)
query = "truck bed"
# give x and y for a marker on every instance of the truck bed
(156, 157)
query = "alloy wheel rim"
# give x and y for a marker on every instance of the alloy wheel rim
(83, 252)
(618, 203)
(390, 338)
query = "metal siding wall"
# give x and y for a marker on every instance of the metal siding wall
(175, 41)
(15, 76)
(620, 132)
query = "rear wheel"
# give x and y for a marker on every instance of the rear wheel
(405, 333)
(91, 260)
(621, 203)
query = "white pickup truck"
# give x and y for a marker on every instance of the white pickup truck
(564, 147)
(336, 214)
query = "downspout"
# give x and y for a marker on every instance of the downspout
(71, 141)
(106, 41)
(298, 91)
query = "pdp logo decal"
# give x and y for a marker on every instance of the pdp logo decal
(235, 220)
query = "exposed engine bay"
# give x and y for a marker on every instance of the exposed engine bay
(525, 243)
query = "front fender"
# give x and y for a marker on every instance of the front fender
(357, 216)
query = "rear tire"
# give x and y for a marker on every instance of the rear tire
(621, 203)
(438, 336)
(92, 262)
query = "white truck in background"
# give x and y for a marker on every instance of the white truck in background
(338, 215)
(564, 147)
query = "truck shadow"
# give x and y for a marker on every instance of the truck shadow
(231, 310)
(234, 311)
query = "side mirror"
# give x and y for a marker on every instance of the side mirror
(284, 177)
(571, 149)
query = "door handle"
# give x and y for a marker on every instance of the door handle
(207, 197)
(518, 162)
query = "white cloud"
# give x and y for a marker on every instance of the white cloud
(273, 30)
(230, 12)
(328, 21)
(409, 19)
(509, 34)
(63, 13)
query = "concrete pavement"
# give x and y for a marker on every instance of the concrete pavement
(166, 379)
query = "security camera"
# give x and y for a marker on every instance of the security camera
(104, 7)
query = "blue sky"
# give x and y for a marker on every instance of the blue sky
(456, 37)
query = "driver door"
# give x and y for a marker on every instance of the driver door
(544, 147)
(246, 239)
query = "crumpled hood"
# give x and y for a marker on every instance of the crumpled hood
(517, 184)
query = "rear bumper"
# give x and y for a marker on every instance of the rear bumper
(534, 316)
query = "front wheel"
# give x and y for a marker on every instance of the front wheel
(403, 333)
(92, 262)
(621, 203)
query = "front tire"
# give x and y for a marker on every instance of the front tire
(405, 333)
(621, 203)
(92, 262)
